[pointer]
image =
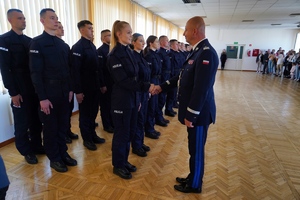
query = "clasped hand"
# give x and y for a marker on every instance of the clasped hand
(154, 89)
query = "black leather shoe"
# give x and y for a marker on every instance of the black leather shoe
(122, 172)
(68, 140)
(151, 135)
(140, 152)
(176, 105)
(161, 123)
(157, 133)
(72, 135)
(146, 148)
(69, 161)
(166, 121)
(187, 189)
(59, 166)
(130, 167)
(98, 140)
(31, 159)
(174, 112)
(169, 113)
(181, 180)
(109, 129)
(90, 145)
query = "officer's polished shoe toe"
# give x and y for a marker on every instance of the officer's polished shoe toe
(59, 166)
(140, 152)
(68, 140)
(69, 161)
(170, 114)
(109, 129)
(90, 145)
(31, 159)
(185, 188)
(157, 133)
(146, 148)
(151, 135)
(181, 180)
(166, 121)
(130, 167)
(72, 135)
(122, 172)
(98, 140)
(161, 123)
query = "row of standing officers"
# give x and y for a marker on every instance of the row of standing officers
(42, 73)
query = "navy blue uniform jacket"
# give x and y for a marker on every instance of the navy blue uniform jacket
(14, 63)
(196, 81)
(49, 66)
(124, 71)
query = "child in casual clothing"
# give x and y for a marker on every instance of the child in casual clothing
(293, 69)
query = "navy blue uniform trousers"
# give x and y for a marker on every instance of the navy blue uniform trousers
(138, 139)
(125, 128)
(105, 107)
(196, 139)
(152, 109)
(88, 110)
(27, 118)
(56, 125)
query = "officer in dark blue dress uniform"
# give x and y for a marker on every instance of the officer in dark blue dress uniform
(70, 135)
(138, 146)
(154, 63)
(105, 95)
(197, 109)
(176, 66)
(88, 79)
(125, 98)
(163, 52)
(14, 65)
(49, 67)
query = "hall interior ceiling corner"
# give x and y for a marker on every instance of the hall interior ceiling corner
(229, 14)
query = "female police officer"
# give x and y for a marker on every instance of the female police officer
(124, 97)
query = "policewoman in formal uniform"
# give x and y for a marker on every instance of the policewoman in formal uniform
(49, 67)
(14, 65)
(125, 99)
(88, 79)
(197, 108)
(137, 143)
(154, 62)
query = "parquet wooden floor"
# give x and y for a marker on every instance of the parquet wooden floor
(252, 152)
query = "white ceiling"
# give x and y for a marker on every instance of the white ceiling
(228, 14)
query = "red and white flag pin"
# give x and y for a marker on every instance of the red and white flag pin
(191, 62)
(205, 62)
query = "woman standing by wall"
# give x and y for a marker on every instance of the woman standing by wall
(223, 59)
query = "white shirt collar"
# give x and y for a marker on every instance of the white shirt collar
(198, 43)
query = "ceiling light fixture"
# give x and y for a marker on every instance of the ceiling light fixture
(191, 1)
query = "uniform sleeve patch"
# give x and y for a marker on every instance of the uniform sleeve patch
(3, 49)
(34, 51)
(116, 66)
(205, 62)
(76, 54)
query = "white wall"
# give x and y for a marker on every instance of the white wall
(259, 39)
(6, 126)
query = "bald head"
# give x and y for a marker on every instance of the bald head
(194, 30)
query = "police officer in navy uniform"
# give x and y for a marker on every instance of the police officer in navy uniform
(154, 62)
(14, 65)
(197, 108)
(88, 80)
(125, 99)
(105, 95)
(137, 143)
(4, 182)
(176, 66)
(70, 135)
(49, 67)
(165, 75)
